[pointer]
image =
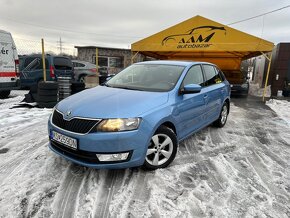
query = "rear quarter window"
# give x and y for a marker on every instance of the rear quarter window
(62, 63)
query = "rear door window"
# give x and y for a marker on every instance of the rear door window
(221, 74)
(77, 64)
(61, 63)
(34, 63)
(212, 76)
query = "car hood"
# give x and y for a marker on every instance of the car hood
(106, 102)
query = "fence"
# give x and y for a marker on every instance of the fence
(27, 47)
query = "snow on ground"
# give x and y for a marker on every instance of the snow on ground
(281, 107)
(258, 91)
(241, 170)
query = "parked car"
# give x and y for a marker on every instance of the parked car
(140, 115)
(83, 69)
(239, 81)
(31, 69)
(9, 65)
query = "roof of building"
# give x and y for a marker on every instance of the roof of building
(100, 47)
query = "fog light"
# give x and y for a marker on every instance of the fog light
(112, 157)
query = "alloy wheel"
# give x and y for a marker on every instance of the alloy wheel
(160, 149)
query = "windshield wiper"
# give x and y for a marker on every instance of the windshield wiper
(128, 88)
(107, 85)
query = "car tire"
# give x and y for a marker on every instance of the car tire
(47, 98)
(161, 150)
(78, 85)
(48, 85)
(51, 92)
(46, 104)
(221, 121)
(82, 78)
(4, 94)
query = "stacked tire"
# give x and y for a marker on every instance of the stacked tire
(64, 87)
(4, 94)
(77, 87)
(47, 94)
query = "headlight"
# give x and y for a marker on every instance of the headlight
(117, 125)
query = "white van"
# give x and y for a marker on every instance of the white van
(9, 65)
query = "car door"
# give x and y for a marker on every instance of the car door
(215, 89)
(190, 107)
(80, 70)
(32, 71)
(63, 67)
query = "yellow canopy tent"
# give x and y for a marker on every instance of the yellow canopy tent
(202, 39)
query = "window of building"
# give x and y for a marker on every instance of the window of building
(116, 62)
(104, 61)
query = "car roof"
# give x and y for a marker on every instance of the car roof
(84, 62)
(3, 31)
(47, 56)
(173, 62)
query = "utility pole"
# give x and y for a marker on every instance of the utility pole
(60, 43)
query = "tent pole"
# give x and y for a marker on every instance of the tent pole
(268, 71)
(133, 57)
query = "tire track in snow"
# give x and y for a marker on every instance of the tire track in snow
(122, 197)
(111, 186)
(141, 193)
(67, 195)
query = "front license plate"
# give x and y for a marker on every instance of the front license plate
(65, 140)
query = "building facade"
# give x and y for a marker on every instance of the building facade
(110, 60)
(279, 75)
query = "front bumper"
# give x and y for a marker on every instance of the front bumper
(89, 145)
(239, 90)
(15, 85)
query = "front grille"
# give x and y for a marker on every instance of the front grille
(77, 125)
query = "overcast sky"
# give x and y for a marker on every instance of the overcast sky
(119, 23)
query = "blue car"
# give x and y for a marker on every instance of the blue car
(139, 116)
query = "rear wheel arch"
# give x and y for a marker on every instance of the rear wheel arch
(82, 77)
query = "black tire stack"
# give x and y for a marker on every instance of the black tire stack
(77, 87)
(4, 94)
(47, 94)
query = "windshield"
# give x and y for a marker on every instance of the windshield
(147, 77)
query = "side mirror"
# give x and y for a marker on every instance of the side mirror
(190, 89)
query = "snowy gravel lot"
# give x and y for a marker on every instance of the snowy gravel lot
(241, 170)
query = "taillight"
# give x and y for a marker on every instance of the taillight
(17, 68)
(51, 72)
(93, 70)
